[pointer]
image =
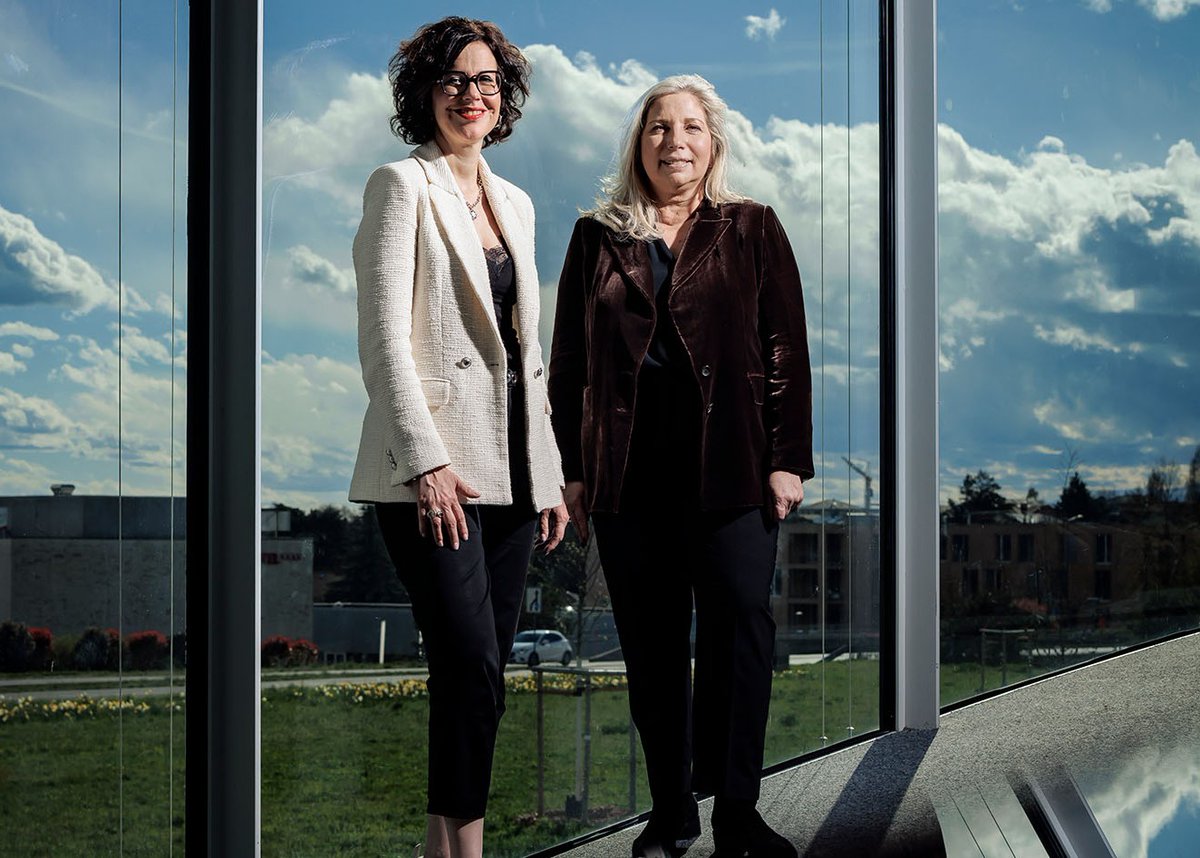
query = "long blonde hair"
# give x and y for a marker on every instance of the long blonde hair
(625, 203)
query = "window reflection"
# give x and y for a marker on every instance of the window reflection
(92, 380)
(1067, 398)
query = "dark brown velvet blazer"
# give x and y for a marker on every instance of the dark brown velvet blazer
(736, 300)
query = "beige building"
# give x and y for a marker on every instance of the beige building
(827, 577)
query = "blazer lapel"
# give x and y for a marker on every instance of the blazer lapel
(633, 260)
(700, 242)
(452, 214)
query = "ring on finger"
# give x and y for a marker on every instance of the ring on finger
(433, 512)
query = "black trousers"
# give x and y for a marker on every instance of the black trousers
(466, 603)
(708, 737)
(661, 554)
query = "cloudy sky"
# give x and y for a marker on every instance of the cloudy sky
(1070, 220)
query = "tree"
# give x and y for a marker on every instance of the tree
(560, 574)
(1077, 501)
(329, 527)
(1192, 492)
(980, 493)
(1162, 482)
(1031, 506)
(349, 551)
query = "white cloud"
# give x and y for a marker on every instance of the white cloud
(1045, 451)
(167, 305)
(1077, 338)
(1049, 198)
(1077, 420)
(312, 415)
(104, 387)
(1149, 790)
(35, 422)
(34, 268)
(757, 26)
(1168, 10)
(24, 329)
(9, 365)
(351, 132)
(306, 267)
(1163, 10)
(1181, 176)
(21, 350)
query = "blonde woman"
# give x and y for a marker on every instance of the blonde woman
(680, 382)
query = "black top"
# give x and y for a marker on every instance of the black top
(666, 351)
(502, 277)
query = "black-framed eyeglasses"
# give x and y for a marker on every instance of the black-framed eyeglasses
(456, 83)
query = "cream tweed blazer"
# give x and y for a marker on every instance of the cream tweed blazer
(432, 359)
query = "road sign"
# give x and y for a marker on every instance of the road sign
(533, 600)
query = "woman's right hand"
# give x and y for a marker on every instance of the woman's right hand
(573, 497)
(438, 508)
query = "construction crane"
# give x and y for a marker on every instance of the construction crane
(867, 493)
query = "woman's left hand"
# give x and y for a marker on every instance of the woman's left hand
(787, 492)
(552, 526)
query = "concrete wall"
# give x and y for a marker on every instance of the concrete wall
(69, 584)
(287, 573)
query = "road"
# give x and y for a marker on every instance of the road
(160, 684)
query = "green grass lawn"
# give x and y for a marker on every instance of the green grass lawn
(346, 778)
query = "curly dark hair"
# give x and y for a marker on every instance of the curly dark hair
(420, 62)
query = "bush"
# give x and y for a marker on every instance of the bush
(148, 650)
(43, 649)
(117, 654)
(276, 650)
(62, 652)
(91, 650)
(16, 647)
(303, 652)
(282, 651)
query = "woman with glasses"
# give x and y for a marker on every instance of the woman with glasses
(679, 377)
(457, 452)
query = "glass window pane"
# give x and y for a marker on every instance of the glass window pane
(1068, 311)
(92, 380)
(802, 87)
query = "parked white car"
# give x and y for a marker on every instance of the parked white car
(534, 646)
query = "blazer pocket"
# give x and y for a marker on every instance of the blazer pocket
(437, 392)
(756, 386)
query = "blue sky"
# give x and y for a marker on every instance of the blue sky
(1070, 220)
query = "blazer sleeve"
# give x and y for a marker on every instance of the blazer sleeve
(782, 327)
(568, 355)
(385, 253)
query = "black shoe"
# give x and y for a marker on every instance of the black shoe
(666, 837)
(739, 832)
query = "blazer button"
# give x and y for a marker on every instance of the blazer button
(537, 373)
(706, 370)
(709, 409)
(464, 363)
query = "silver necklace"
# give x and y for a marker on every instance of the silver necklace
(478, 198)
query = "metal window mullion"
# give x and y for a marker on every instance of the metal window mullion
(234, 529)
(916, 363)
